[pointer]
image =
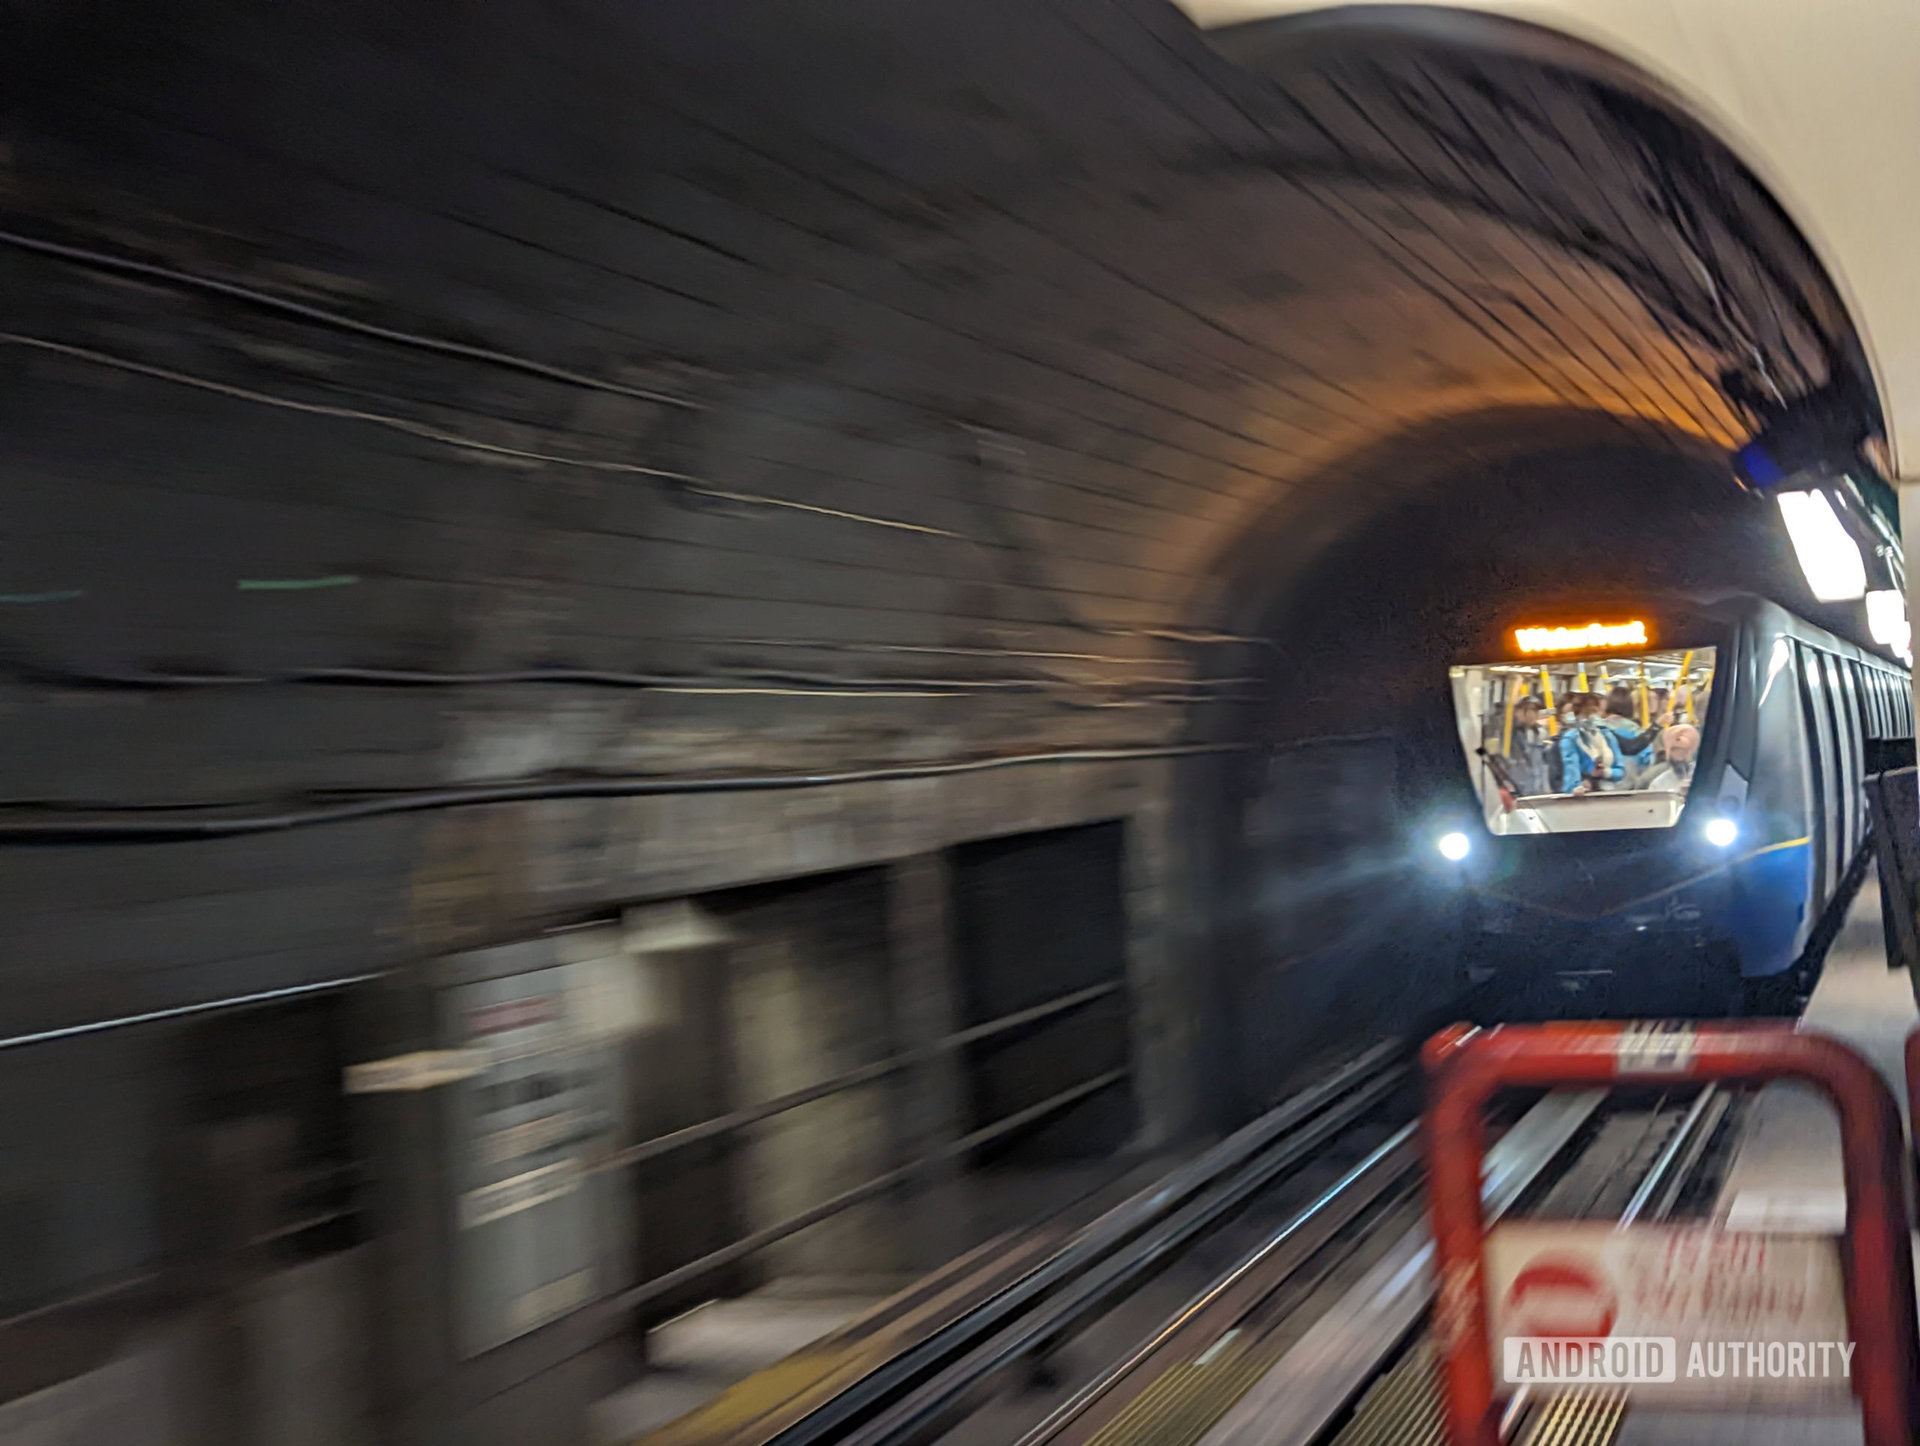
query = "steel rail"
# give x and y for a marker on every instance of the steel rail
(1305, 1392)
(1348, 1090)
(1267, 1265)
(931, 1407)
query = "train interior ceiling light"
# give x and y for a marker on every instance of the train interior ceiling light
(1830, 558)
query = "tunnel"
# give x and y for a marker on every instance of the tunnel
(882, 520)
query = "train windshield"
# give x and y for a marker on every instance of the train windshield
(1587, 744)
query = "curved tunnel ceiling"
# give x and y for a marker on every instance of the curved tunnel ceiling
(959, 341)
(1817, 101)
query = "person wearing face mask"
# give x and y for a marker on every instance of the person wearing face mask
(1682, 742)
(1589, 759)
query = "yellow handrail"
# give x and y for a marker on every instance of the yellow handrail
(1516, 690)
(1546, 689)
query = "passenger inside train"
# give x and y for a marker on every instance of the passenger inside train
(1584, 744)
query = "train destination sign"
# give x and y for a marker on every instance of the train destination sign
(1574, 640)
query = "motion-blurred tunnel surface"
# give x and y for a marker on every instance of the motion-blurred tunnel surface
(627, 564)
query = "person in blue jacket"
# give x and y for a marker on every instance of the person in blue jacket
(1632, 744)
(1589, 758)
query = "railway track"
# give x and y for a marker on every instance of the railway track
(924, 1362)
(1273, 1290)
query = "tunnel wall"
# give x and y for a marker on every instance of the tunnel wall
(810, 985)
(591, 391)
(849, 390)
(905, 587)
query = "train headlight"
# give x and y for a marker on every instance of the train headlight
(1455, 846)
(1721, 832)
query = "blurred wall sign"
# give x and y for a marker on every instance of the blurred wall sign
(530, 1240)
(422, 1070)
(613, 993)
(671, 927)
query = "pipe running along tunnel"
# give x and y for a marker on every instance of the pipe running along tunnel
(468, 478)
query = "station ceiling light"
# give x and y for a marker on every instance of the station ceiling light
(1828, 555)
(1887, 619)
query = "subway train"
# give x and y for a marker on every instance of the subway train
(1663, 811)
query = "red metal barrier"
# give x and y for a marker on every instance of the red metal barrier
(1466, 1066)
(1913, 1092)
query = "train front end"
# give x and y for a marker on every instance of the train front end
(1610, 853)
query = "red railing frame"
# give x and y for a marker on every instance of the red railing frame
(1913, 1093)
(1466, 1066)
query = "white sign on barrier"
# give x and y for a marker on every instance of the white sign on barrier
(1686, 1313)
(1655, 1046)
(1789, 1212)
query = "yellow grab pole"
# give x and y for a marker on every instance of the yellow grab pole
(1645, 713)
(1686, 681)
(1546, 690)
(1516, 690)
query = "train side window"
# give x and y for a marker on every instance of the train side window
(1846, 737)
(1856, 701)
(1821, 770)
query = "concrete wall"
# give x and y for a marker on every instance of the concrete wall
(283, 1361)
(139, 1395)
(1037, 917)
(1349, 941)
(808, 984)
(79, 1176)
(994, 323)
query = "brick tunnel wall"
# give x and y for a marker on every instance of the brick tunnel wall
(810, 541)
(974, 334)
(861, 384)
